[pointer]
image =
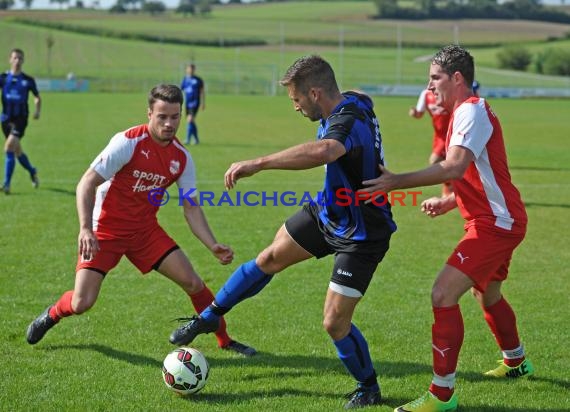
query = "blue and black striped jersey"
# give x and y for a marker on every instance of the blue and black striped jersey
(354, 124)
(192, 86)
(15, 92)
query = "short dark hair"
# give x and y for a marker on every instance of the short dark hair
(16, 50)
(167, 93)
(454, 58)
(310, 71)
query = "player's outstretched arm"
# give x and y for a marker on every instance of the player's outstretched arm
(87, 242)
(300, 157)
(201, 229)
(453, 167)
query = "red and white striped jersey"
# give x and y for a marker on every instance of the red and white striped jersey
(485, 194)
(439, 116)
(133, 165)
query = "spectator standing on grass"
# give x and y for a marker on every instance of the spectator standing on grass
(16, 87)
(195, 99)
(496, 221)
(349, 143)
(118, 198)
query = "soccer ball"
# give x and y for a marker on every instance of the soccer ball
(185, 371)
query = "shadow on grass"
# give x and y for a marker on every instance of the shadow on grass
(132, 358)
(305, 365)
(540, 169)
(61, 191)
(534, 204)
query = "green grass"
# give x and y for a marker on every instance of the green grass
(110, 357)
(291, 29)
(305, 22)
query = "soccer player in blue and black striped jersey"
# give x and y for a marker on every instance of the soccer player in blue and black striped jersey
(194, 99)
(349, 143)
(16, 86)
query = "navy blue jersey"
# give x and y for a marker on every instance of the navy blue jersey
(354, 124)
(192, 86)
(15, 92)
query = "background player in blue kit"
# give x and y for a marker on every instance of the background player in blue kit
(194, 99)
(16, 86)
(350, 144)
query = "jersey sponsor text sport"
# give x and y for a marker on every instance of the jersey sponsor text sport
(133, 165)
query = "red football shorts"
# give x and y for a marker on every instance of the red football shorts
(143, 249)
(484, 254)
(438, 145)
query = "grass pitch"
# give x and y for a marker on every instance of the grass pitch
(110, 357)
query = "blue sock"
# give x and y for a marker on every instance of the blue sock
(245, 282)
(23, 159)
(353, 352)
(188, 132)
(195, 132)
(9, 165)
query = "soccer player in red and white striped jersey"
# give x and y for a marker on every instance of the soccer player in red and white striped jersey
(496, 221)
(439, 119)
(118, 198)
(440, 122)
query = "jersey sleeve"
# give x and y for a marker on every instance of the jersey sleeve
(187, 179)
(118, 153)
(34, 87)
(421, 104)
(472, 128)
(339, 128)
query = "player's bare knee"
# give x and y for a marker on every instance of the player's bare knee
(335, 326)
(330, 326)
(438, 296)
(193, 285)
(81, 305)
(268, 262)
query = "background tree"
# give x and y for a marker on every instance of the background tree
(27, 4)
(554, 62)
(6, 4)
(427, 6)
(118, 8)
(514, 57)
(154, 7)
(386, 8)
(204, 7)
(186, 7)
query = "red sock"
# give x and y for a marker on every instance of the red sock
(62, 307)
(201, 301)
(447, 338)
(503, 323)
